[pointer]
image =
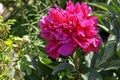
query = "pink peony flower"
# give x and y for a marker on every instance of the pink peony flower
(66, 29)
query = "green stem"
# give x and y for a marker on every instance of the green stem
(75, 61)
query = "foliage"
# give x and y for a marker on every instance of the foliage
(22, 55)
(8, 46)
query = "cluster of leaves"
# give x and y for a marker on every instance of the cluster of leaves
(24, 53)
(24, 58)
(108, 60)
(9, 47)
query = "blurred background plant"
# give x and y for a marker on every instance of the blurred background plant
(22, 55)
(8, 47)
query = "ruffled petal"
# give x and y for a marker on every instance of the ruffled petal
(54, 54)
(81, 43)
(52, 46)
(94, 44)
(66, 49)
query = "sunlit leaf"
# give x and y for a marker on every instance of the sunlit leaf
(9, 42)
(99, 5)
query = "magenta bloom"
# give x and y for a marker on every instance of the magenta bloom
(66, 29)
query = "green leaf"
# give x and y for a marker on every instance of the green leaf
(106, 52)
(105, 7)
(52, 77)
(1, 19)
(88, 59)
(12, 21)
(46, 60)
(110, 78)
(22, 66)
(117, 2)
(112, 37)
(116, 26)
(116, 31)
(28, 58)
(44, 69)
(118, 52)
(28, 70)
(103, 27)
(99, 5)
(63, 67)
(8, 42)
(93, 75)
(114, 64)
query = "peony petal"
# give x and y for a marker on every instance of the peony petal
(54, 54)
(94, 44)
(86, 10)
(77, 8)
(51, 46)
(66, 49)
(70, 6)
(47, 35)
(81, 43)
(90, 48)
